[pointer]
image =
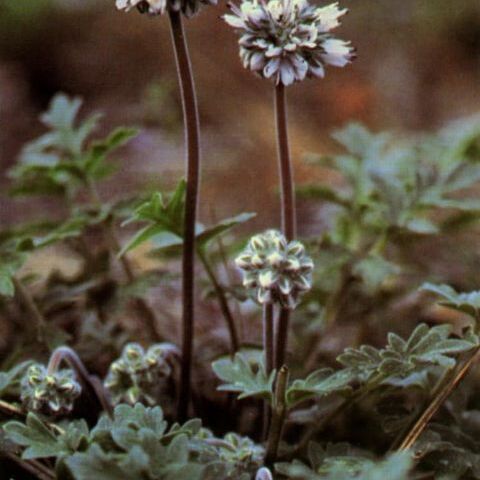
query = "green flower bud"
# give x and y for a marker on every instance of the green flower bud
(275, 270)
(135, 376)
(49, 393)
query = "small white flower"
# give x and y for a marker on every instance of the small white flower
(288, 40)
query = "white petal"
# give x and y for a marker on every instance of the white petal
(337, 52)
(328, 17)
(271, 68)
(234, 21)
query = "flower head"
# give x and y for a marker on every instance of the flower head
(159, 7)
(49, 393)
(289, 40)
(136, 374)
(276, 270)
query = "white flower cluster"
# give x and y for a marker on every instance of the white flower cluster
(289, 40)
(135, 376)
(159, 7)
(276, 270)
(50, 394)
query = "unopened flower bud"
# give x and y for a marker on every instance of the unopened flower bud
(49, 393)
(135, 376)
(283, 275)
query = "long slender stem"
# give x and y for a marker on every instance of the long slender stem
(192, 136)
(289, 216)
(30, 305)
(278, 416)
(223, 302)
(268, 351)
(68, 355)
(420, 425)
(268, 336)
(282, 337)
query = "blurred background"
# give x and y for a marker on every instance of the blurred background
(418, 67)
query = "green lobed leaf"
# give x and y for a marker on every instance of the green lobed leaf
(243, 377)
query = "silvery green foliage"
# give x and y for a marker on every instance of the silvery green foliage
(342, 462)
(49, 393)
(403, 362)
(465, 302)
(136, 376)
(62, 160)
(137, 443)
(245, 377)
(289, 40)
(232, 457)
(277, 271)
(159, 7)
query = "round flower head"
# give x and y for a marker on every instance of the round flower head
(50, 394)
(135, 376)
(288, 40)
(159, 7)
(276, 270)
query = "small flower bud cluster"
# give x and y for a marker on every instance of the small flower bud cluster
(289, 40)
(135, 376)
(49, 393)
(159, 7)
(276, 270)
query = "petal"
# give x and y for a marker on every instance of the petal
(337, 52)
(271, 68)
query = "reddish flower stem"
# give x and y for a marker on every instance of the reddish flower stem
(192, 138)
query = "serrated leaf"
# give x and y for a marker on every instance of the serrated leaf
(244, 378)
(468, 303)
(319, 384)
(39, 441)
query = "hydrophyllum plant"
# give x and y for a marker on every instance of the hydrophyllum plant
(287, 41)
(175, 8)
(393, 396)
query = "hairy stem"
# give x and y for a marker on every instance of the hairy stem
(192, 137)
(67, 354)
(223, 302)
(439, 399)
(289, 216)
(32, 308)
(278, 416)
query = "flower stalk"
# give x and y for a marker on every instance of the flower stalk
(278, 416)
(68, 355)
(268, 336)
(192, 138)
